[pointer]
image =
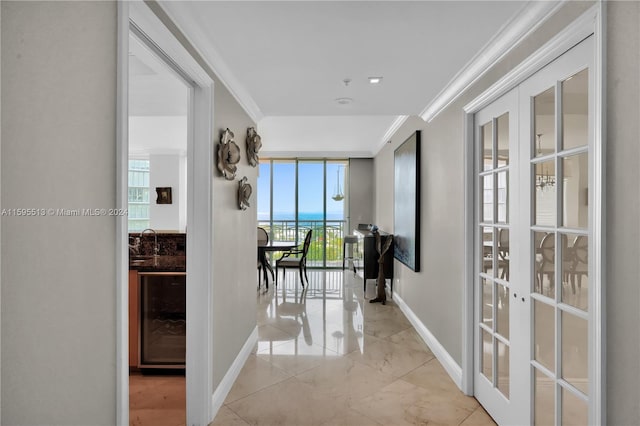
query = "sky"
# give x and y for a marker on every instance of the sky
(311, 188)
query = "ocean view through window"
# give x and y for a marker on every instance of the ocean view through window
(296, 195)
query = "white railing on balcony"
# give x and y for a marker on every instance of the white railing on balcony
(326, 241)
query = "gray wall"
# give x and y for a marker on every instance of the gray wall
(361, 191)
(234, 231)
(58, 151)
(234, 246)
(435, 294)
(58, 286)
(623, 213)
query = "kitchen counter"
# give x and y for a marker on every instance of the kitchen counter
(159, 264)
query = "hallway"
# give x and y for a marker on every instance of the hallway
(328, 357)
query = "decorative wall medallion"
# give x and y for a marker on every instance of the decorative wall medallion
(254, 143)
(228, 155)
(244, 192)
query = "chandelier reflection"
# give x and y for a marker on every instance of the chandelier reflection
(544, 180)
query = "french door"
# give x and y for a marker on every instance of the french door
(533, 298)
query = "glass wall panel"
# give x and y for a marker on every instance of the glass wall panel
(311, 208)
(263, 195)
(335, 197)
(295, 196)
(284, 201)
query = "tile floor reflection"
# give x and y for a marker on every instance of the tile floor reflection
(326, 356)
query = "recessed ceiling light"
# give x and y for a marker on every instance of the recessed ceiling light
(344, 101)
(375, 80)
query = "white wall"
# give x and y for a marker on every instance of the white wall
(168, 171)
(163, 140)
(58, 273)
(361, 192)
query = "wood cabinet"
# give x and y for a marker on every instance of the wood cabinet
(134, 309)
(367, 241)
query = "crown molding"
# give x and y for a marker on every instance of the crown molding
(527, 20)
(193, 33)
(581, 28)
(315, 155)
(393, 128)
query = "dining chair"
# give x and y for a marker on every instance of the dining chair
(580, 260)
(547, 264)
(287, 261)
(263, 239)
(503, 253)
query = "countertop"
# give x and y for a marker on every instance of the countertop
(159, 264)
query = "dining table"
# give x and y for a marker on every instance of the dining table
(272, 246)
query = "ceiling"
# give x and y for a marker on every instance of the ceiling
(289, 59)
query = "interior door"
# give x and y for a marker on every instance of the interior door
(497, 333)
(556, 172)
(532, 252)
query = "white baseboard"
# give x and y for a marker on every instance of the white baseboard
(221, 392)
(447, 361)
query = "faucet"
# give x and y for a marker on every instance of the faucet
(155, 240)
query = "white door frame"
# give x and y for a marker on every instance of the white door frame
(199, 353)
(591, 22)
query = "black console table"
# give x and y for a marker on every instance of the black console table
(367, 241)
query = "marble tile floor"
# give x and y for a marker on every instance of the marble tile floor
(326, 356)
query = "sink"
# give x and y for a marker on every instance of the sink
(138, 258)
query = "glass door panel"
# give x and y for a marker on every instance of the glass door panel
(284, 201)
(496, 143)
(559, 164)
(311, 208)
(532, 318)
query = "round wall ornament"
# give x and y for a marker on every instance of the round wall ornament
(254, 143)
(244, 193)
(228, 155)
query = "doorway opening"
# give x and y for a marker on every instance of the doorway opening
(158, 108)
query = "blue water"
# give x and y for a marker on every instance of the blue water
(302, 217)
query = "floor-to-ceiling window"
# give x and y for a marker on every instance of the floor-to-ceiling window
(295, 196)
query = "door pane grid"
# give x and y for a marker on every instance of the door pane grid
(566, 229)
(493, 173)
